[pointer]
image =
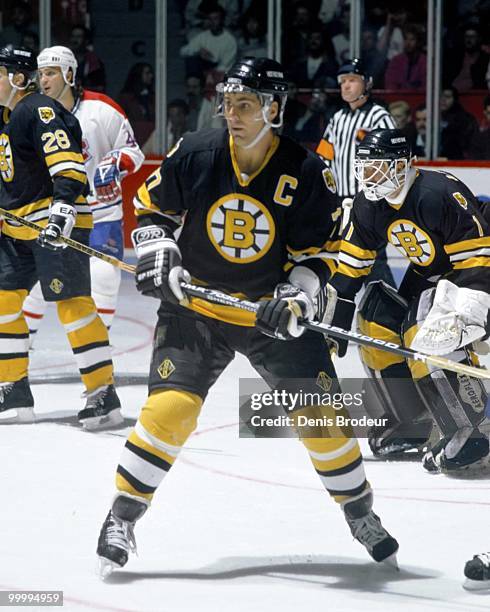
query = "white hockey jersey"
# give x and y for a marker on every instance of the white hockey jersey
(105, 129)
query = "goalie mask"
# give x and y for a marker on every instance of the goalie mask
(262, 77)
(382, 162)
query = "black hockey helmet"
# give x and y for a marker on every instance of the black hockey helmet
(19, 59)
(259, 75)
(384, 144)
(355, 66)
(382, 162)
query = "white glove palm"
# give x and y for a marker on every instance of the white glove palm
(458, 317)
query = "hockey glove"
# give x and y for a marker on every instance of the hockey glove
(62, 217)
(107, 179)
(279, 317)
(159, 269)
(458, 317)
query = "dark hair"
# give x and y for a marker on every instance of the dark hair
(420, 107)
(133, 81)
(413, 28)
(454, 91)
(179, 103)
(87, 33)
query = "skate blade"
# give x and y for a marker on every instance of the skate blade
(476, 585)
(106, 567)
(22, 415)
(391, 562)
(113, 419)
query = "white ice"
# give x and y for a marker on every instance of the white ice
(239, 525)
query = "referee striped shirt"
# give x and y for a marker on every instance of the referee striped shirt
(343, 133)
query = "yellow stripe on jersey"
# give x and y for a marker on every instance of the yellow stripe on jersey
(56, 158)
(375, 358)
(352, 249)
(467, 245)
(353, 272)
(73, 174)
(244, 182)
(142, 202)
(418, 369)
(472, 262)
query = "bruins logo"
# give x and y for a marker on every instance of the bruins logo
(56, 286)
(324, 381)
(412, 242)
(329, 180)
(6, 159)
(240, 228)
(46, 114)
(165, 369)
(460, 199)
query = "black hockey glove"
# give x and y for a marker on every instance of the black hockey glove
(62, 217)
(279, 317)
(159, 269)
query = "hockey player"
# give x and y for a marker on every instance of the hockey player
(257, 219)
(110, 153)
(44, 181)
(441, 308)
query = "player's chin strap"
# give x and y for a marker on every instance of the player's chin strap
(218, 297)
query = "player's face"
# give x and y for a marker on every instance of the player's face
(51, 81)
(5, 87)
(375, 171)
(351, 87)
(243, 114)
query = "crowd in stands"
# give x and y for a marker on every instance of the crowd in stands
(316, 41)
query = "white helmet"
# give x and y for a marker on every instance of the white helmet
(59, 56)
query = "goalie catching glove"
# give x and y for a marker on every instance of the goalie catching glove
(62, 217)
(458, 317)
(159, 270)
(280, 316)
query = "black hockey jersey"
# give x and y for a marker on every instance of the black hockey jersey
(242, 234)
(439, 227)
(41, 159)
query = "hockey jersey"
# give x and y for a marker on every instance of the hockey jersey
(439, 228)
(105, 129)
(40, 160)
(240, 233)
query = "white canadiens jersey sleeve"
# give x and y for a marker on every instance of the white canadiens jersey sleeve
(106, 129)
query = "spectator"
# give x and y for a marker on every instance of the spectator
(467, 69)
(296, 35)
(341, 40)
(91, 71)
(373, 59)
(458, 127)
(408, 70)
(390, 36)
(201, 107)
(401, 113)
(421, 130)
(318, 68)
(329, 10)
(294, 110)
(309, 128)
(19, 23)
(138, 100)
(177, 121)
(252, 42)
(30, 40)
(480, 145)
(213, 49)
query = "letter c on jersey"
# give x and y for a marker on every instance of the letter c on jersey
(412, 242)
(240, 228)
(285, 181)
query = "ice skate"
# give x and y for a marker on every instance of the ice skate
(367, 529)
(467, 450)
(102, 410)
(477, 573)
(16, 402)
(116, 539)
(395, 439)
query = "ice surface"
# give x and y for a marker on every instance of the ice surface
(238, 525)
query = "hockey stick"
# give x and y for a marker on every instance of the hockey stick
(218, 297)
(74, 244)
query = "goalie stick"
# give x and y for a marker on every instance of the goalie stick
(218, 297)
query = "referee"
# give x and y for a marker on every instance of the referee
(345, 130)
